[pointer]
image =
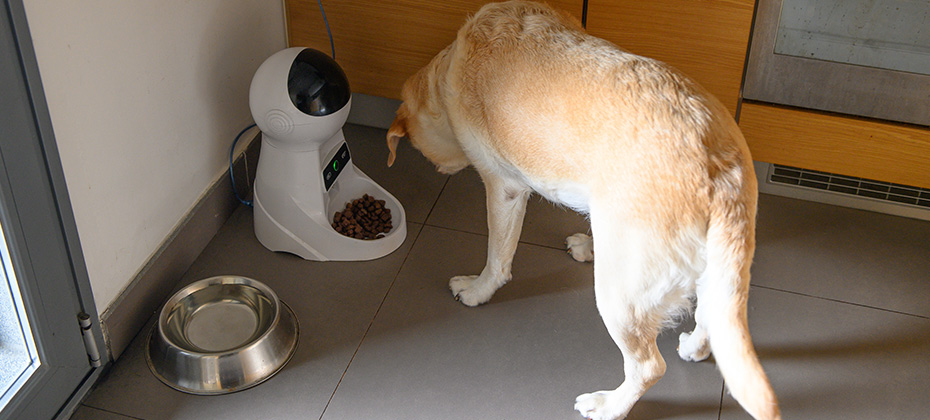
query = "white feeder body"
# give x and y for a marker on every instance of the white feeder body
(300, 100)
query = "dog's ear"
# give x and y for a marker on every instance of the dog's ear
(397, 131)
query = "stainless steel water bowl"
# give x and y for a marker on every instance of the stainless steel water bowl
(221, 335)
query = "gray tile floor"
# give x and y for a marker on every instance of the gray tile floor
(839, 312)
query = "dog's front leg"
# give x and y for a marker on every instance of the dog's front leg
(506, 202)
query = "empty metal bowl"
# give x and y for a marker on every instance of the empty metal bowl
(221, 335)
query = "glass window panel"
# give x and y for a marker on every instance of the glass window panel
(17, 355)
(887, 34)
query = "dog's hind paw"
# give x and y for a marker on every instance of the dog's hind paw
(581, 247)
(693, 348)
(471, 290)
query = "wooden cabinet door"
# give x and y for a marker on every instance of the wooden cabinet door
(871, 149)
(380, 44)
(705, 39)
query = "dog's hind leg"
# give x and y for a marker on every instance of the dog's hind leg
(695, 346)
(506, 201)
(633, 312)
(643, 366)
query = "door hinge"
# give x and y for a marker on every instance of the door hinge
(90, 344)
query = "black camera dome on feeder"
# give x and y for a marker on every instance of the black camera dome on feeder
(316, 84)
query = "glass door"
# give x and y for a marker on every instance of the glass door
(49, 328)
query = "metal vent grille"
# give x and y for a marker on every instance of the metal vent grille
(860, 187)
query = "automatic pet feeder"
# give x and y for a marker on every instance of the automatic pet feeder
(300, 100)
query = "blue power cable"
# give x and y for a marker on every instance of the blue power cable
(231, 176)
(332, 45)
(232, 148)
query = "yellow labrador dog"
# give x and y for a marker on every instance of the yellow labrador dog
(536, 105)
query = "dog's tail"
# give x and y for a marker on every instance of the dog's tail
(730, 247)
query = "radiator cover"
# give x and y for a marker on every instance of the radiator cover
(842, 190)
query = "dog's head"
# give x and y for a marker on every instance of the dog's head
(422, 118)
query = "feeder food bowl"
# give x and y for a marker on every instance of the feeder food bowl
(221, 335)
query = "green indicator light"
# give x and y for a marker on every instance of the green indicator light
(336, 165)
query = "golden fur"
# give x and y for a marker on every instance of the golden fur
(536, 104)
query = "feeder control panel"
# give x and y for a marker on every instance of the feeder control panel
(335, 166)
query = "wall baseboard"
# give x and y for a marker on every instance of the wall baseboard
(154, 283)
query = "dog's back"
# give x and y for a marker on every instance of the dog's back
(547, 98)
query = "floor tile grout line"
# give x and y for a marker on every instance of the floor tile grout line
(371, 323)
(436, 201)
(753, 285)
(110, 411)
(723, 390)
(485, 235)
(430, 213)
(861, 305)
(388, 292)
(455, 230)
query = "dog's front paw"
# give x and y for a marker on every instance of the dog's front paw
(581, 247)
(471, 290)
(598, 406)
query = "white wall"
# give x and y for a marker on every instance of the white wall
(145, 98)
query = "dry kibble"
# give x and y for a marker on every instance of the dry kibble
(363, 218)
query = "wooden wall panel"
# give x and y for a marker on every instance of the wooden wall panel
(380, 44)
(705, 39)
(843, 145)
